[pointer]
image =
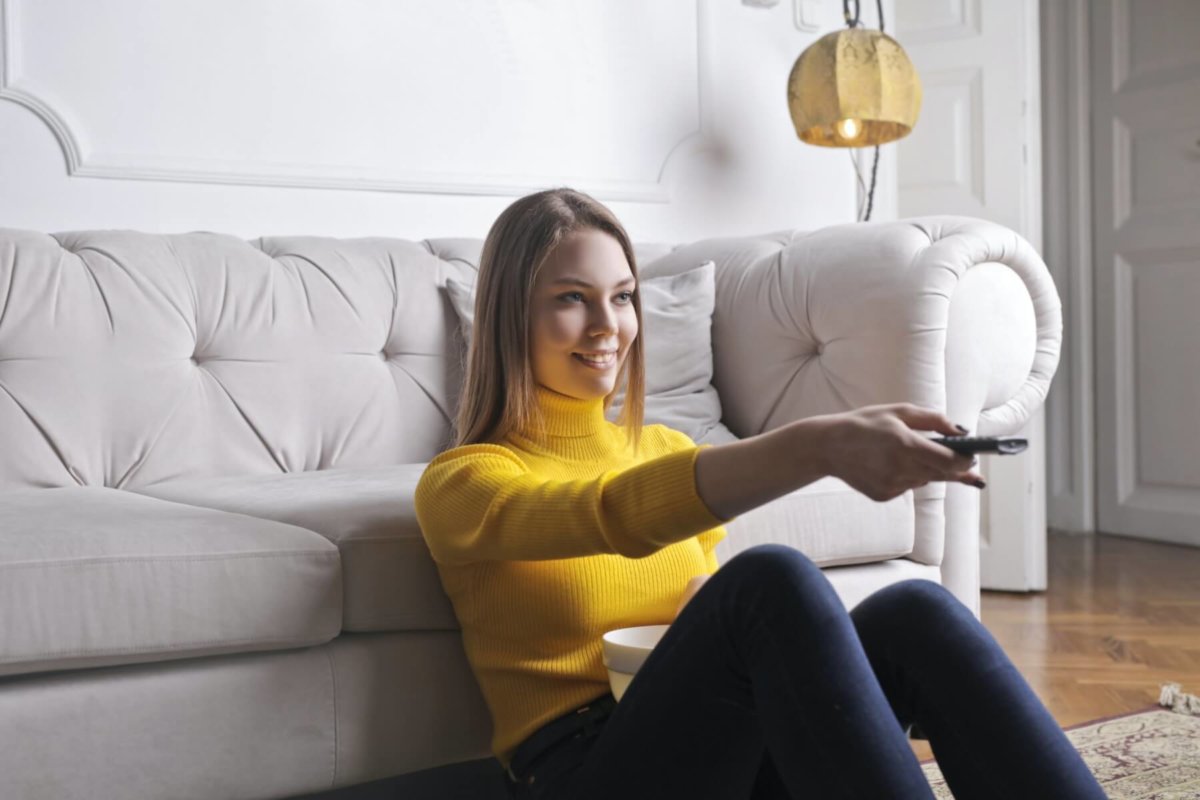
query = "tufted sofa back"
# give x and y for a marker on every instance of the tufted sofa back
(129, 358)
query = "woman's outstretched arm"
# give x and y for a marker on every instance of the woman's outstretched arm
(875, 449)
(480, 502)
(736, 477)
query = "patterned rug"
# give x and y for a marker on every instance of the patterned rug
(1150, 754)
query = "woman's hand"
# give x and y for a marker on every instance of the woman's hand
(876, 450)
(693, 586)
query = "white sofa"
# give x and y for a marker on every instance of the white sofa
(212, 582)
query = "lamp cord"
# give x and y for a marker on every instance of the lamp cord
(862, 187)
(852, 22)
(871, 191)
(864, 217)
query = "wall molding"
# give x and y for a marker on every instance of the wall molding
(1122, 190)
(1127, 77)
(966, 23)
(82, 161)
(1120, 39)
(1123, 366)
(966, 137)
(1133, 488)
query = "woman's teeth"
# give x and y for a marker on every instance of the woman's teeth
(597, 361)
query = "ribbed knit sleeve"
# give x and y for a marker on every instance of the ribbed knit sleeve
(480, 502)
(678, 440)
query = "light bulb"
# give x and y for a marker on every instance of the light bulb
(849, 128)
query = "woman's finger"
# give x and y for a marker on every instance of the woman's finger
(941, 457)
(972, 479)
(928, 419)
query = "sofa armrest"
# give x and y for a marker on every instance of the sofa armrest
(951, 313)
(858, 314)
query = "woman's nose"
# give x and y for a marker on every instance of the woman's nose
(604, 320)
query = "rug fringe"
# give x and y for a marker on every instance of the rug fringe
(1172, 696)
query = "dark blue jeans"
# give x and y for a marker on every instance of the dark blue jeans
(765, 687)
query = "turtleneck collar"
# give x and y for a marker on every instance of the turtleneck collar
(569, 417)
(574, 429)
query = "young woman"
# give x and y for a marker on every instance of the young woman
(551, 525)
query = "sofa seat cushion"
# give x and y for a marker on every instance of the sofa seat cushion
(91, 576)
(391, 580)
(830, 522)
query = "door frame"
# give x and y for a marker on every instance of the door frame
(1067, 180)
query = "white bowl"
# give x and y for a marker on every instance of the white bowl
(624, 651)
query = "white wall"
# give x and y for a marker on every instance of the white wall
(409, 119)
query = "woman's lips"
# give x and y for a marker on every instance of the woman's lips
(612, 359)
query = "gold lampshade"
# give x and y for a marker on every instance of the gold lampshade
(853, 88)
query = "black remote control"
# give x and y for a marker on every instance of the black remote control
(1001, 445)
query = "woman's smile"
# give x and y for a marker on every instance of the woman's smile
(597, 362)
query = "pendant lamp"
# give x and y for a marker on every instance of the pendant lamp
(854, 88)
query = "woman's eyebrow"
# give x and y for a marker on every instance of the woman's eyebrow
(581, 282)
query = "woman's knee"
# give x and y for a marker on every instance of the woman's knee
(916, 602)
(776, 567)
(921, 592)
(763, 560)
(922, 618)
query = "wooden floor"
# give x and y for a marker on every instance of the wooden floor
(1120, 617)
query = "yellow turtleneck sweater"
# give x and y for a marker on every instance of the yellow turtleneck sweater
(550, 539)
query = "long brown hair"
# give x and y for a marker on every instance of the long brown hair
(498, 388)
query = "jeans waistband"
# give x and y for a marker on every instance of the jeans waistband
(541, 742)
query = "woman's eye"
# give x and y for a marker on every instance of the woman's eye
(627, 295)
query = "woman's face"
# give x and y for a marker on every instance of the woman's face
(569, 318)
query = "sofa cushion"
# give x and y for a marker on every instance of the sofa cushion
(392, 583)
(829, 522)
(91, 576)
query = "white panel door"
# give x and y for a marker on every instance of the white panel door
(975, 151)
(1146, 211)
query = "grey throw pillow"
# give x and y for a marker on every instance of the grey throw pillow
(677, 326)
